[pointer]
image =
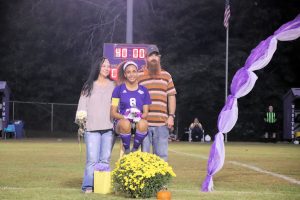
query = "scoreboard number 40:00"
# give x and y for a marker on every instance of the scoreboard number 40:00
(136, 53)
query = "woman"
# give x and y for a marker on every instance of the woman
(95, 101)
(130, 106)
(196, 131)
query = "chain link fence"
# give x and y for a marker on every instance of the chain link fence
(45, 119)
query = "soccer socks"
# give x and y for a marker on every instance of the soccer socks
(138, 139)
(126, 141)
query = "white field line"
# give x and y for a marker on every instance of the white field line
(289, 179)
(189, 154)
(257, 169)
(237, 192)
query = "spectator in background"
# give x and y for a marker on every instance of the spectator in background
(270, 125)
(196, 131)
(95, 100)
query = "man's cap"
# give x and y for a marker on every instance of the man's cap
(152, 49)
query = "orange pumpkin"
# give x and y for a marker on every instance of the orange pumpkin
(163, 194)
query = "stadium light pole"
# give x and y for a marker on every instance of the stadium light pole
(129, 23)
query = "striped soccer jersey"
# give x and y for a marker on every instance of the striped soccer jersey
(270, 117)
(160, 87)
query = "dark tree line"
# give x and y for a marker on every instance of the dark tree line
(47, 46)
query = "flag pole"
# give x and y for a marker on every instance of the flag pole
(226, 69)
(226, 25)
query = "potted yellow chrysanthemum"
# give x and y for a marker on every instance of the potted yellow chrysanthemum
(141, 175)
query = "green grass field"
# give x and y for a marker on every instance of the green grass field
(53, 169)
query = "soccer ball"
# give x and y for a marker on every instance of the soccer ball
(296, 142)
(207, 138)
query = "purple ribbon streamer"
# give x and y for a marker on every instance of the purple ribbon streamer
(242, 82)
(215, 162)
(229, 103)
(290, 25)
(240, 78)
(260, 53)
(228, 116)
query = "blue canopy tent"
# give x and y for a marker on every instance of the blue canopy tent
(291, 113)
(4, 104)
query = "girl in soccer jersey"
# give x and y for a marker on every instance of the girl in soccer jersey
(130, 103)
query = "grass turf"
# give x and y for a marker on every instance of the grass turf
(53, 169)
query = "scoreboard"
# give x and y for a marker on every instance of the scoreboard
(125, 52)
(117, 53)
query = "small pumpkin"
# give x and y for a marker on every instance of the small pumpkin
(163, 194)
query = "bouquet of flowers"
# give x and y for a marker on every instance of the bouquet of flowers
(81, 121)
(133, 114)
(141, 175)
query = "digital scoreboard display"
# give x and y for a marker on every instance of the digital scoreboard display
(133, 53)
(117, 53)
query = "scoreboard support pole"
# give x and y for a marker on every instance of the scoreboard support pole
(129, 23)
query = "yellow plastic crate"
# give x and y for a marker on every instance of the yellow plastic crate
(102, 182)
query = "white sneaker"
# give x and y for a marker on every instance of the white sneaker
(88, 191)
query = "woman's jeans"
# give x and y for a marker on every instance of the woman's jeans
(98, 150)
(157, 138)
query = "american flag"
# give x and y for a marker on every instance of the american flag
(226, 14)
